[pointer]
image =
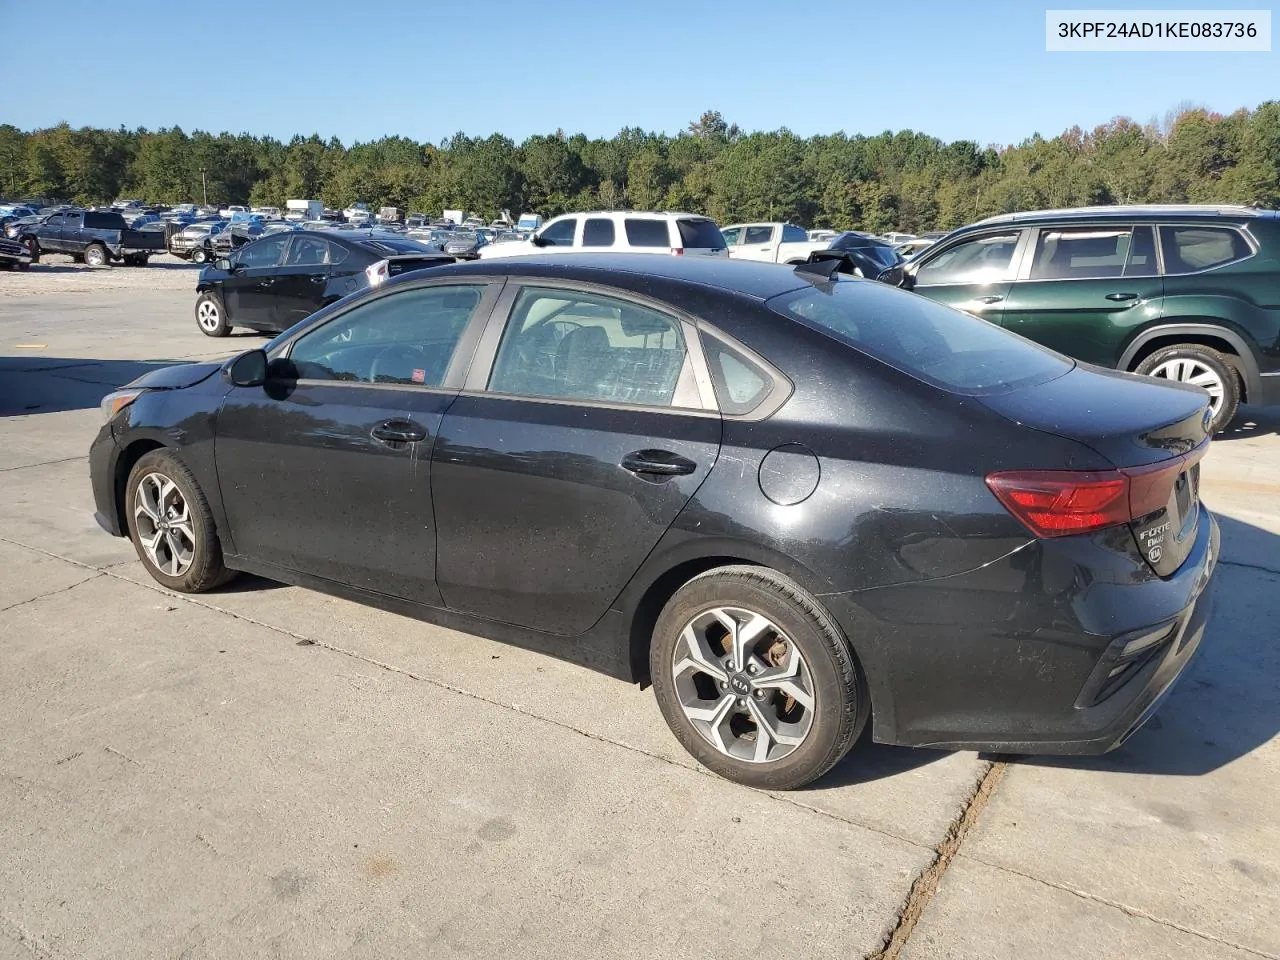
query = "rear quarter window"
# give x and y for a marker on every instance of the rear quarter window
(1193, 248)
(941, 346)
(698, 233)
(650, 233)
(103, 221)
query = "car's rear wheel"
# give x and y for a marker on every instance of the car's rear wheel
(171, 525)
(95, 255)
(755, 679)
(199, 255)
(211, 316)
(1202, 367)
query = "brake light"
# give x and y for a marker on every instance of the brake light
(1059, 503)
(377, 273)
(677, 251)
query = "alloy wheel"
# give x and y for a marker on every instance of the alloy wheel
(207, 316)
(743, 684)
(1190, 370)
(163, 521)
(94, 257)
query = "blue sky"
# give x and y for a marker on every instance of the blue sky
(359, 69)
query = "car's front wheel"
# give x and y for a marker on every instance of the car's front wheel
(1202, 367)
(199, 255)
(171, 525)
(211, 316)
(755, 680)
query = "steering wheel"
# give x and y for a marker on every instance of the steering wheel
(538, 350)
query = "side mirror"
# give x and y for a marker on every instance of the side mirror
(908, 280)
(247, 370)
(537, 241)
(223, 264)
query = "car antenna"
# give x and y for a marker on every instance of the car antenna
(819, 268)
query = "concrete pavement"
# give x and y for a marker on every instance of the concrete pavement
(267, 771)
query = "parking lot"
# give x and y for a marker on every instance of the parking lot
(269, 771)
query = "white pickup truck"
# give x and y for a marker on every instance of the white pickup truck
(770, 242)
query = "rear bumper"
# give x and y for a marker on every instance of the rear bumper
(1017, 657)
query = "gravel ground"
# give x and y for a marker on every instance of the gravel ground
(57, 273)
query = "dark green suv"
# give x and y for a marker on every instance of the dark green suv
(1189, 293)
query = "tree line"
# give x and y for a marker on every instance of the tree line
(892, 181)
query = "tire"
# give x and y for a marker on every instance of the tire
(816, 737)
(1204, 367)
(160, 491)
(132, 261)
(33, 247)
(198, 255)
(211, 316)
(95, 255)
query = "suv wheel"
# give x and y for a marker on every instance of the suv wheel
(755, 680)
(198, 255)
(95, 255)
(1202, 367)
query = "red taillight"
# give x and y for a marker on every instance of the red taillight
(677, 251)
(1059, 503)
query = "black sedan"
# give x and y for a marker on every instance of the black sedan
(793, 502)
(273, 282)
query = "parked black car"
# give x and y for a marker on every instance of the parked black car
(790, 502)
(277, 280)
(96, 237)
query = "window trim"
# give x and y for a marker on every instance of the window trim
(1011, 273)
(463, 354)
(1243, 231)
(476, 383)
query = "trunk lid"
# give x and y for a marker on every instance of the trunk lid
(1153, 432)
(403, 263)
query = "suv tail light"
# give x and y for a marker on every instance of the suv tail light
(1060, 503)
(377, 273)
(677, 251)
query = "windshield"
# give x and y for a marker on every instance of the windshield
(936, 344)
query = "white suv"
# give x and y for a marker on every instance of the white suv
(678, 234)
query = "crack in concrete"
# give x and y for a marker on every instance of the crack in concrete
(52, 593)
(926, 884)
(46, 463)
(1125, 908)
(1249, 566)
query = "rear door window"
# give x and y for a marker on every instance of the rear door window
(941, 346)
(647, 233)
(1080, 253)
(597, 232)
(757, 234)
(979, 260)
(1188, 249)
(1142, 254)
(568, 344)
(700, 234)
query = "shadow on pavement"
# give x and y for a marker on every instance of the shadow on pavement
(50, 384)
(1252, 422)
(1225, 705)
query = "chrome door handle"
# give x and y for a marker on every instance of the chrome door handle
(1122, 296)
(990, 299)
(398, 431)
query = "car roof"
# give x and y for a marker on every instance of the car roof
(635, 214)
(1130, 211)
(642, 273)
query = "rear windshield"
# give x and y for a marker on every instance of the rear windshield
(933, 343)
(700, 233)
(392, 247)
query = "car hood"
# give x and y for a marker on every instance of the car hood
(176, 377)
